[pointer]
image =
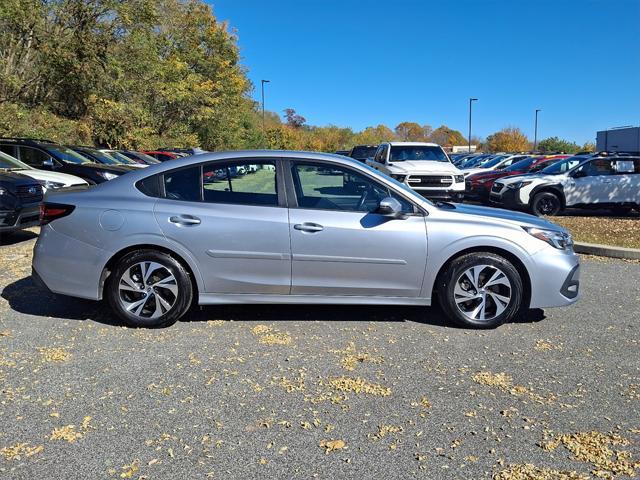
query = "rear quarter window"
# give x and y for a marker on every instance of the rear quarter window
(150, 186)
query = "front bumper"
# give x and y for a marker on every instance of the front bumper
(478, 193)
(555, 278)
(25, 217)
(446, 195)
(509, 198)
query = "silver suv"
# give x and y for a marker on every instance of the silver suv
(296, 227)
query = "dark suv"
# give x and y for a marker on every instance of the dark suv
(362, 152)
(48, 155)
(20, 198)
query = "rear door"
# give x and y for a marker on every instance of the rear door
(235, 226)
(340, 246)
(626, 180)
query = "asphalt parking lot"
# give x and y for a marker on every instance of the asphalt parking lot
(326, 392)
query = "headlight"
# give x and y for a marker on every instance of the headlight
(3, 191)
(108, 175)
(518, 185)
(559, 240)
(49, 185)
(459, 178)
(399, 178)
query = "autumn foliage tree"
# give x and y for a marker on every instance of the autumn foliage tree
(508, 139)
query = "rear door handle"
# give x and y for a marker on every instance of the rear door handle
(308, 227)
(185, 220)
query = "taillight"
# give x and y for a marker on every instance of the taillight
(53, 211)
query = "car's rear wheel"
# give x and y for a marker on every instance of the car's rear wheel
(481, 290)
(546, 203)
(148, 288)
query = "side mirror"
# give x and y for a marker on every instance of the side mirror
(390, 207)
(48, 163)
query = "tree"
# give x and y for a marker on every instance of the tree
(508, 139)
(589, 147)
(374, 135)
(555, 144)
(293, 119)
(409, 132)
(446, 137)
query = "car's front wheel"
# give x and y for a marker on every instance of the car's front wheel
(148, 288)
(546, 203)
(481, 290)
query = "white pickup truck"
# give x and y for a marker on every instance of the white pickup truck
(424, 167)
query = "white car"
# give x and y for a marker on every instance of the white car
(48, 179)
(424, 167)
(496, 163)
(579, 182)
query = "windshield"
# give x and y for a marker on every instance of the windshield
(120, 158)
(401, 153)
(405, 188)
(102, 157)
(7, 162)
(473, 161)
(67, 155)
(522, 165)
(363, 152)
(563, 166)
(142, 156)
(492, 162)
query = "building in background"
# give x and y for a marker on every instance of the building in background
(621, 139)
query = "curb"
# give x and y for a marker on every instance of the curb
(607, 251)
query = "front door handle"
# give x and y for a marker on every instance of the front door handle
(185, 220)
(308, 227)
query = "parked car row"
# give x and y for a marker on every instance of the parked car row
(38, 165)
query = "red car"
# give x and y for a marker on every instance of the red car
(478, 186)
(162, 156)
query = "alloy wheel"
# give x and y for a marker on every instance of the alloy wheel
(148, 290)
(482, 292)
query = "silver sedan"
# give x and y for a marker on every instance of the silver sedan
(294, 227)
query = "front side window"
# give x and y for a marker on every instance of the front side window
(240, 183)
(67, 155)
(595, 168)
(329, 187)
(32, 156)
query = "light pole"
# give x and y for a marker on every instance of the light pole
(535, 131)
(262, 82)
(470, 101)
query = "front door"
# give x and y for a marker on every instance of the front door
(229, 216)
(340, 246)
(590, 183)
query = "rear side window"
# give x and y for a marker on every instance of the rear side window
(240, 183)
(601, 166)
(33, 157)
(184, 184)
(9, 150)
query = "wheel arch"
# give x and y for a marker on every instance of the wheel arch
(517, 263)
(106, 271)
(555, 189)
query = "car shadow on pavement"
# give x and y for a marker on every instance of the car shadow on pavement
(17, 237)
(27, 298)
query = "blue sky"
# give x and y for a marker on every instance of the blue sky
(360, 63)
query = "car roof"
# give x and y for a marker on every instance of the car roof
(412, 144)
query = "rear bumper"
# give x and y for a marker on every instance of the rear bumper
(77, 274)
(25, 217)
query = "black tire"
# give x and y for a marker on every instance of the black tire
(447, 286)
(181, 301)
(546, 203)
